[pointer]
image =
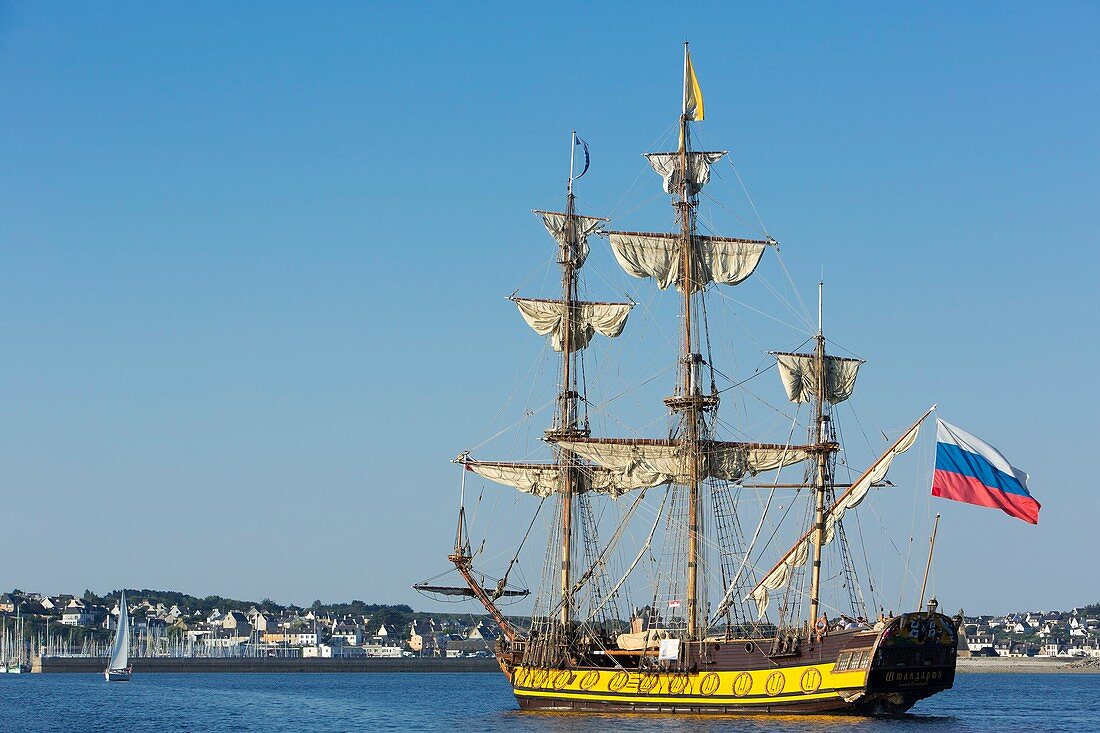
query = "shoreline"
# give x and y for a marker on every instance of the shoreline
(1026, 665)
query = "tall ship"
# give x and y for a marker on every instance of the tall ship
(662, 588)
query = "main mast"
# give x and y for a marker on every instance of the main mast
(690, 403)
(690, 262)
(567, 400)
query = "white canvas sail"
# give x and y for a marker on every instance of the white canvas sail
(557, 224)
(544, 479)
(722, 260)
(546, 317)
(642, 463)
(797, 556)
(670, 167)
(120, 648)
(799, 376)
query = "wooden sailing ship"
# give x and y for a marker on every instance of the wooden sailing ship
(679, 653)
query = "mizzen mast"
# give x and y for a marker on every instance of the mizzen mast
(823, 448)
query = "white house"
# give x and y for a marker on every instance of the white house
(77, 613)
(348, 634)
(381, 650)
(980, 643)
(302, 637)
(327, 651)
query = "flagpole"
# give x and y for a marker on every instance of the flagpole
(684, 103)
(931, 546)
(572, 149)
(684, 107)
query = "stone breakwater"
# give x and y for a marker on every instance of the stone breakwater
(269, 664)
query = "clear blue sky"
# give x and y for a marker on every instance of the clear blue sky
(253, 260)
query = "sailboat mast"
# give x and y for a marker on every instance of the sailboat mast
(820, 422)
(687, 360)
(567, 419)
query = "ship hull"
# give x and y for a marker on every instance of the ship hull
(796, 689)
(879, 673)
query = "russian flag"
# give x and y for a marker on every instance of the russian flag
(972, 471)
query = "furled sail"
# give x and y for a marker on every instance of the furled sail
(668, 166)
(557, 224)
(544, 479)
(120, 648)
(796, 557)
(799, 375)
(643, 463)
(547, 317)
(722, 260)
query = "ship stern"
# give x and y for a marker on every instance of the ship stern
(913, 658)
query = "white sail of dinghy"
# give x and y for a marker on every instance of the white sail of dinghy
(118, 663)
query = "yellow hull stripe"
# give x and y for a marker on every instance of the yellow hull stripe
(749, 687)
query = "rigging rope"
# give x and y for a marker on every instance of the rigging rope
(724, 604)
(637, 558)
(515, 558)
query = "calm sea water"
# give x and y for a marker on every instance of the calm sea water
(186, 703)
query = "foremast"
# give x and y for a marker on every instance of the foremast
(570, 324)
(567, 425)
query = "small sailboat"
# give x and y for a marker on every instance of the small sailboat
(118, 664)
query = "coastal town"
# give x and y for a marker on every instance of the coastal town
(64, 625)
(1073, 633)
(37, 624)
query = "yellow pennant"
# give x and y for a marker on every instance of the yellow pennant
(693, 96)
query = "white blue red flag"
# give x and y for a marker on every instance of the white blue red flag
(972, 471)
